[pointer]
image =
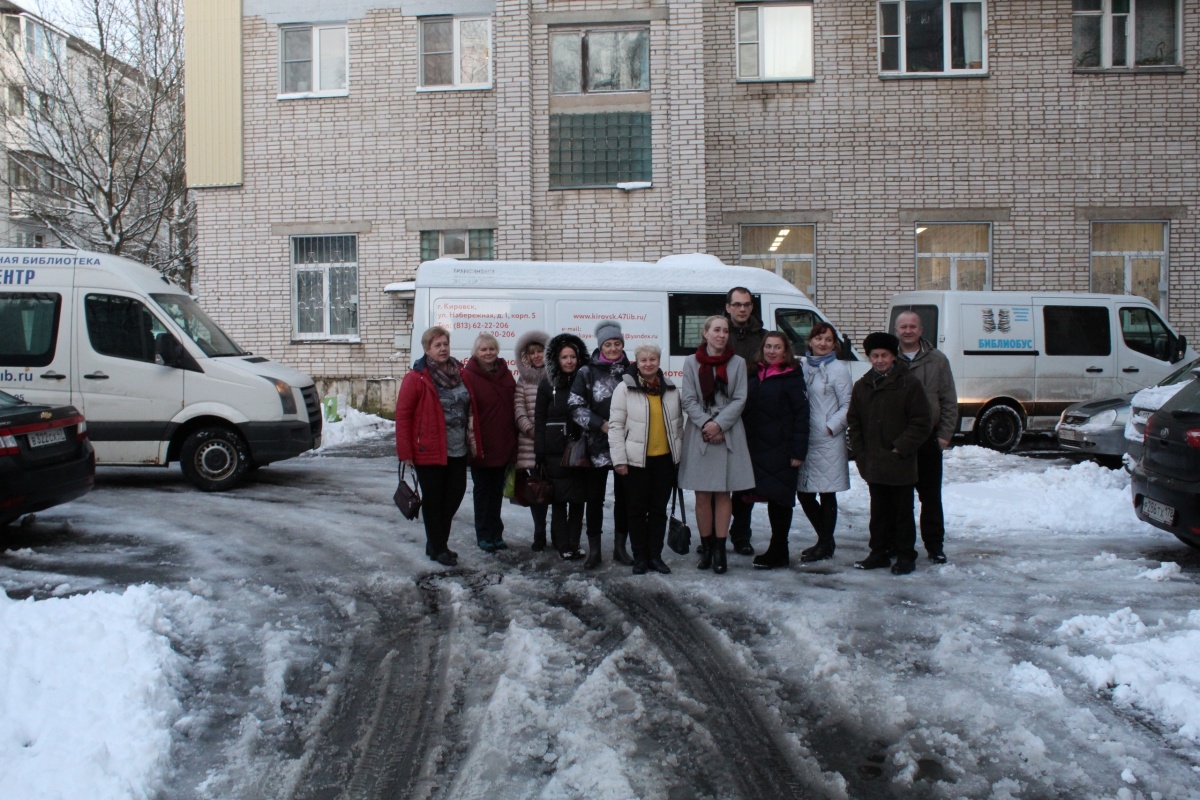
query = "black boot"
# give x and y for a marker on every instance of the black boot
(593, 556)
(718, 557)
(820, 551)
(539, 541)
(705, 551)
(776, 555)
(620, 554)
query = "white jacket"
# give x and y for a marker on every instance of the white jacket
(825, 469)
(629, 422)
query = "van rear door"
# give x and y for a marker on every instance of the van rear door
(35, 345)
(1078, 362)
(127, 397)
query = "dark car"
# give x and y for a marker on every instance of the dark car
(45, 457)
(1166, 480)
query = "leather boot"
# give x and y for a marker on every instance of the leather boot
(620, 554)
(593, 556)
(718, 557)
(705, 550)
(776, 555)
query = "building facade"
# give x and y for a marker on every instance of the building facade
(857, 147)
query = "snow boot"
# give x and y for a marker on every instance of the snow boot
(593, 556)
(718, 557)
(776, 554)
(820, 551)
(705, 551)
(620, 554)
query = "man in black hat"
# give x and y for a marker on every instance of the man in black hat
(888, 421)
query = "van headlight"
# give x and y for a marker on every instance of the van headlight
(286, 397)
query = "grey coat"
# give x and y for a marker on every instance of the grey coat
(932, 369)
(827, 467)
(708, 467)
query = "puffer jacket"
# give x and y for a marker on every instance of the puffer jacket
(553, 425)
(421, 420)
(888, 421)
(629, 421)
(492, 401)
(826, 469)
(525, 400)
(591, 395)
(776, 420)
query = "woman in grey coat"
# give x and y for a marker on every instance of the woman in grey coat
(716, 458)
(825, 472)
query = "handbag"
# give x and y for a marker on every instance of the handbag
(679, 535)
(576, 454)
(408, 498)
(536, 489)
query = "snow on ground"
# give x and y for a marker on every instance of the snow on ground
(1052, 657)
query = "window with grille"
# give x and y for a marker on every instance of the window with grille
(599, 150)
(325, 284)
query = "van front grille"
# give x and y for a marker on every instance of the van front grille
(312, 403)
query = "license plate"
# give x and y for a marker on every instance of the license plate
(1158, 512)
(43, 438)
(1067, 435)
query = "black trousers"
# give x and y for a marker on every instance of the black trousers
(739, 525)
(929, 491)
(488, 494)
(822, 512)
(780, 518)
(566, 526)
(893, 529)
(647, 491)
(597, 488)
(442, 490)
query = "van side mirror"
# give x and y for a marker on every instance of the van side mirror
(1180, 349)
(847, 348)
(169, 352)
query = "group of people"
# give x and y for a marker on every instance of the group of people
(749, 422)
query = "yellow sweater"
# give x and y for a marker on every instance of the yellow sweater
(656, 438)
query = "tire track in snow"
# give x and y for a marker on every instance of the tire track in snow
(389, 731)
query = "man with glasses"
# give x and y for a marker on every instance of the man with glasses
(746, 335)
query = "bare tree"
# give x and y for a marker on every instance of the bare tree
(96, 129)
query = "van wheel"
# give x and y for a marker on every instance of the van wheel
(214, 459)
(999, 428)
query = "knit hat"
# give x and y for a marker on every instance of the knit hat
(611, 329)
(881, 341)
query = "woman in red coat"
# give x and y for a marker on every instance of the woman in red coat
(433, 412)
(492, 393)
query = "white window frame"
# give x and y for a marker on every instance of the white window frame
(315, 34)
(806, 47)
(781, 259)
(947, 43)
(457, 85)
(920, 227)
(1107, 16)
(323, 267)
(1129, 256)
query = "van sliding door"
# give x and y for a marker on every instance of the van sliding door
(1078, 362)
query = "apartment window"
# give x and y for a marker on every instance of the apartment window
(932, 36)
(1130, 258)
(41, 43)
(787, 250)
(1112, 34)
(954, 256)
(456, 52)
(599, 150)
(26, 239)
(600, 60)
(326, 286)
(475, 245)
(775, 42)
(16, 102)
(313, 60)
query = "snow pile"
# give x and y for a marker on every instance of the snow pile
(1150, 399)
(1151, 669)
(354, 426)
(87, 702)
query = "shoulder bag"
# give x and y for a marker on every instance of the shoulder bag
(408, 498)
(679, 535)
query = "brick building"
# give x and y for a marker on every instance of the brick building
(857, 147)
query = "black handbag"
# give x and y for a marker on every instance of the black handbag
(576, 454)
(408, 498)
(679, 535)
(536, 489)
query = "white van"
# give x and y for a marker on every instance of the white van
(663, 303)
(1020, 358)
(157, 380)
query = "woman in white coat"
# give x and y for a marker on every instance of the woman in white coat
(716, 458)
(645, 439)
(825, 471)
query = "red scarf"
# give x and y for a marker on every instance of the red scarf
(713, 375)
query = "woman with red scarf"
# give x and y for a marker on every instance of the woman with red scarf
(716, 460)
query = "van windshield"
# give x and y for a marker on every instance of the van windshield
(197, 325)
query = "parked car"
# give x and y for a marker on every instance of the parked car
(1166, 480)
(1106, 429)
(45, 457)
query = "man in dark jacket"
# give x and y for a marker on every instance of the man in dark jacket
(746, 335)
(888, 420)
(931, 367)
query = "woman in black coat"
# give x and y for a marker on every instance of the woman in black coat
(776, 422)
(552, 429)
